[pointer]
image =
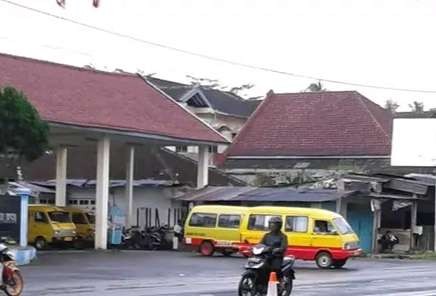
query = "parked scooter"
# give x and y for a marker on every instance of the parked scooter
(254, 281)
(12, 280)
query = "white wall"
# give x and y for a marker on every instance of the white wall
(143, 197)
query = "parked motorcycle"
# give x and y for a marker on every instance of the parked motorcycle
(134, 238)
(12, 280)
(254, 281)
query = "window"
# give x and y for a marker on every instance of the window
(181, 148)
(203, 220)
(323, 227)
(296, 224)
(73, 201)
(93, 202)
(342, 225)
(40, 217)
(213, 149)
(229, 221)
(58, 216)
(84, 202)
(259, 222)
(79, 218)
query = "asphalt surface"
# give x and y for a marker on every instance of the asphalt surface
(138, 273)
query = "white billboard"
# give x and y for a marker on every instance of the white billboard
(414, 142)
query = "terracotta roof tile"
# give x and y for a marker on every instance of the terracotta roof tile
(315, 124)
(90, 98)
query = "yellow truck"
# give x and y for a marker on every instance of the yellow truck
(49, 225)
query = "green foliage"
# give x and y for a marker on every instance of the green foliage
(391, 106)
(21, 129)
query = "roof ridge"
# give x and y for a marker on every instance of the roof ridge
(315, 92)
(58, 64)
(361, 99)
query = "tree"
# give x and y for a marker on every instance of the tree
(417, 107)
(215, 84)
(391, 106)
(23, 135)
(316, 86)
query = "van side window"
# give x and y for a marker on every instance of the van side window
(203, 220)
(259, 222)
(323, 227)
(40, 217)
(229, 221)
(296, 224)
(79, 218)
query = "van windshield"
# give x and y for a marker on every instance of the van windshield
(342, 226)
(60, 217)
(91, 218)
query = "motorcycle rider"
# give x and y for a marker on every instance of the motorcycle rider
(278, 242)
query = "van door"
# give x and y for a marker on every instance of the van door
(40, 226)
(82, 226)
(325, 236)
(257, 226)
(299, 238)
(228, 229)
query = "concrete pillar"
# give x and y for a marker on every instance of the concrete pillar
(24, 215)
(203, 166)
(341, 207)
(61, 176)
(102, 193)
(413, 217)
(375, 227)
(130, 165)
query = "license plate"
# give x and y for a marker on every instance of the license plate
(68, 239)
(224, 243)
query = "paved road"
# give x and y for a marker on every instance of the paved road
(170, 273)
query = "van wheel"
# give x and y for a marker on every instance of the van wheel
(324, 260)
(40, 243)
(207, 248)
(339, 263)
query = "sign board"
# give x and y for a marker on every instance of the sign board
(414, 142)
(10, 216)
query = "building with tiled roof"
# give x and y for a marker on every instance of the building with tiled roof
(318, 132)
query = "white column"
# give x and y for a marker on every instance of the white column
(61, 176)
(102, 193)
(203, 166)
(130, 165)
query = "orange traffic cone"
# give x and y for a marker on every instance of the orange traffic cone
(272, 285)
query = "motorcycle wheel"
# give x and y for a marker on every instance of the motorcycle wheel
(15, 285)
(285, 287)
(247, 285)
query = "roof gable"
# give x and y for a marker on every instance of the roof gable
(221, 101)
(89, 98)
(315, 124)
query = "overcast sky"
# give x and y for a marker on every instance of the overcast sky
(386, 43)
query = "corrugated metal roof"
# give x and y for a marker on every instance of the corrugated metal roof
(274, 194)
